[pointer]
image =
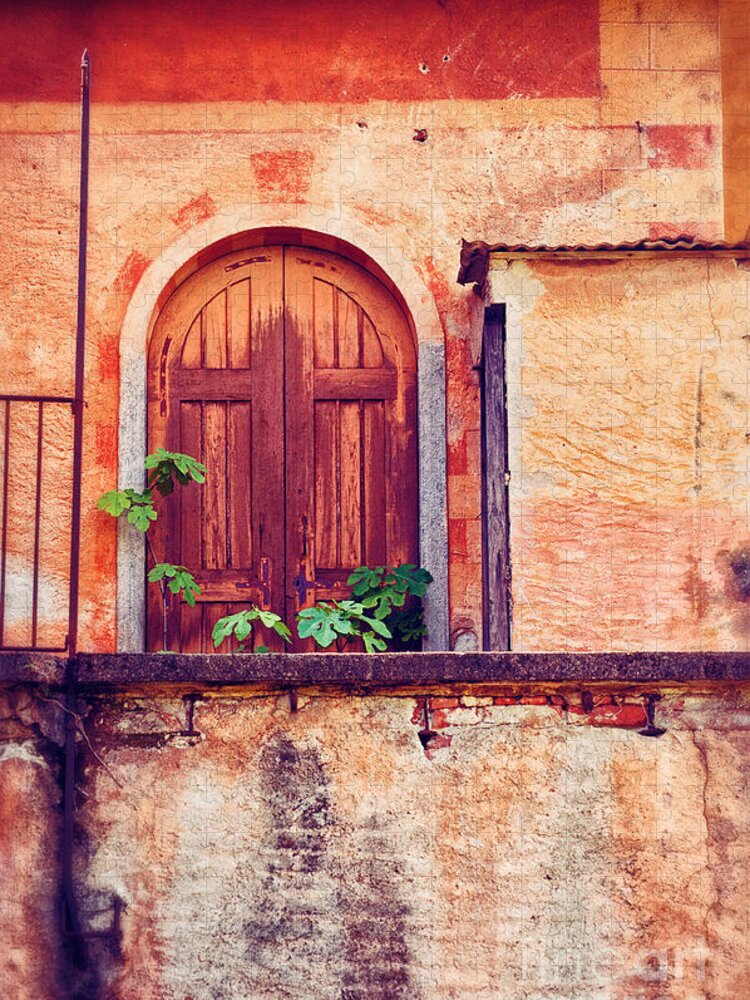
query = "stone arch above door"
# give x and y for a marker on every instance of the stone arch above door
(155, 289)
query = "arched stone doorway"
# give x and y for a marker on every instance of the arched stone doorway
(399, 280)
(291, 373)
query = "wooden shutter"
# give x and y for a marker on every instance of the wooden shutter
(496, 590)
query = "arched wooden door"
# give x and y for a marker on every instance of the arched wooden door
(291, 373)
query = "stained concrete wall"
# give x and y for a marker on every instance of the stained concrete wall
(559, 122)
(539, 846)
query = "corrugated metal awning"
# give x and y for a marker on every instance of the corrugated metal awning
(475, 256)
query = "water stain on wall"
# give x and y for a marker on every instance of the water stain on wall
(320, 895)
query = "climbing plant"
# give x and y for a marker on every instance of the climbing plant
(394, 593)
(341, 622)
(241, 626)
(164, 469)
(384, 608)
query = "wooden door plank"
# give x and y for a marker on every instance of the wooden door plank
(267, 426)
(239, 486)
(326, 484)
(190, 501)
(495, 515)
(402, 543)
(372, 352)
(190, 637)
(349, 315)
(229, 585)
(215, 487)
(199, 384)
(215, 321)
(193, 346)
(373, 459)
(350, 458)
(299, 431)
(211, 614)
(165, 536)
(323, 324)
(356, 383)
(238, 323)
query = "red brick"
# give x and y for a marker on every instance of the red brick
(444, 702)
(439, 720)
(574, 709)
(619, 716)
(457, 459)
(417, 716)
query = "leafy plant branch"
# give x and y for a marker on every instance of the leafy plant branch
(164, 469)
(241, 626)
(395, 594)
(342, 622)
(384, 606)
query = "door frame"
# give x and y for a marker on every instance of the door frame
(218, 237)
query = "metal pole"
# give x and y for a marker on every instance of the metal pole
(78, 404)
(70, 916)
(71, 921)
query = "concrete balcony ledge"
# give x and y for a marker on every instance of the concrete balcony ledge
(362, 672)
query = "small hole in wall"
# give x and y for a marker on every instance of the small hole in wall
(424, 68)
(446, 58)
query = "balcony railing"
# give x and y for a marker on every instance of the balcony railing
(41, 451)
(38, 507)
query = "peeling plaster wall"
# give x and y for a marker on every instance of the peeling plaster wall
(628, 385)
(547, 122)
(31, 961)
(537, 849)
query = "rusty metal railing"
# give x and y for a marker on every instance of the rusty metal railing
(37, 510)
(39, 550)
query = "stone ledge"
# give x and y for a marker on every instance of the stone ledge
(123, 670)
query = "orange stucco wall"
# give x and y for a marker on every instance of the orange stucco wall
(630, 378)
(554, 122)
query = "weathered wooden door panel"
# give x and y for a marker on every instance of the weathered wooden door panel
(217, 393)
(291, 373)
(350, 353)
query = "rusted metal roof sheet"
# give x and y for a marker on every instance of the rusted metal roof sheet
(475, 255)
